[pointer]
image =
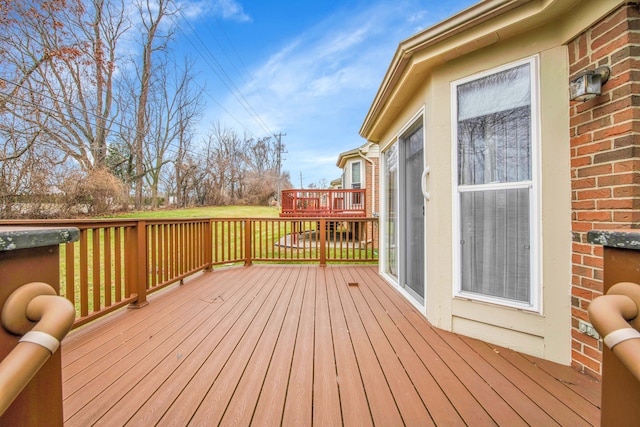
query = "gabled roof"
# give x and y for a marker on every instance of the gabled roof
(363, 150)
(478, 26)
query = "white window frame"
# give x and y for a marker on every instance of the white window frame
(535, 291)
(351, 165)
(418, 117)
(384, 206)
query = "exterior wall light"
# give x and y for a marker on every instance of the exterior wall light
(588, 84)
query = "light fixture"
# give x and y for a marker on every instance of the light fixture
(588, 84)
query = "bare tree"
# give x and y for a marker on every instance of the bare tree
(64, 72)
(151, 14)
(174, 106)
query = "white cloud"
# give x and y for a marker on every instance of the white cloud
(231, 9)
(225, 9)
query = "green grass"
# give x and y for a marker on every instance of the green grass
(208, 212)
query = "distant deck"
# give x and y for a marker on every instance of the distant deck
(323, 203)
(300, 346)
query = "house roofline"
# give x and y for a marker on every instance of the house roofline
(441, 44)
(467, 18)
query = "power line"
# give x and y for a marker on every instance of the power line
(223, 75)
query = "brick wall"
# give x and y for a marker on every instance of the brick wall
(373, 205)
(605, 160)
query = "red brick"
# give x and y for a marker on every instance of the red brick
(583, 205)
(576, 345)
(616, 204)
(596, 147)
(593, 353)
(595, 124)
(583, 183)
(624, 115)
(581, 139)
(600, 193)
(581, 248)
(627, 191)
(593, 261)
(580, 161)
(580, 270)
(580, 119)
(584, 338)
(592, 284)
(618, 104)
(579, 314)
(595, 170)
(619, 179)
(586, 361)
(627, 217)
(594, 102)
(594, 216)
(618, 129)
(626, 166)
(582, 293)
(581, 226)
(613, 45)
(597, 275)
(605, 225)
(600, 39)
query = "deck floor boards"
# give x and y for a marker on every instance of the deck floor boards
(304, 345)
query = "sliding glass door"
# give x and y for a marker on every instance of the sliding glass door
(412, 213)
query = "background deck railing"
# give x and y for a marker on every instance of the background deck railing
(116, 263)
(315, 203)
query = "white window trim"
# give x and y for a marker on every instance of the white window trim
(536, 238)
(418, 119)
(384, 208)
(362, 173)
(419, 116)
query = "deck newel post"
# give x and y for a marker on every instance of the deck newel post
(208, 245)
(323, 242)
(140, 266)
(247, 242)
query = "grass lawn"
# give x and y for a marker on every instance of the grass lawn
(208, 212)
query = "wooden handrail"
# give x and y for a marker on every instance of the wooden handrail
(33, 303)
(120, 262)
(615, 317)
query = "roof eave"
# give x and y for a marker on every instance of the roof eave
(457, 23)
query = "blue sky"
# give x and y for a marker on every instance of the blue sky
(308, 69)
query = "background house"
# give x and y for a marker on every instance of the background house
(360, 170)
(490, 176)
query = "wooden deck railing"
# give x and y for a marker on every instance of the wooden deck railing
(331, 203)
(120, 262)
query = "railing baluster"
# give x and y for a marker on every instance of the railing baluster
(153, 270)
(118, 262)
(84, 274)
(70, 261)
(107, 266)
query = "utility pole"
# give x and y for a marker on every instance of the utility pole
(279, 152)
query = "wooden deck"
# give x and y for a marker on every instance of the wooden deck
(304, 345)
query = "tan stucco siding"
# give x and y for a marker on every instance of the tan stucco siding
(545, 334)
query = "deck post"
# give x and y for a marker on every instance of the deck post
(139, 266)
(323, 242)
(247, 242)
(208, 245)
(620, 389)
(29, 254)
